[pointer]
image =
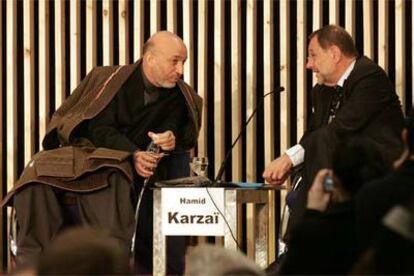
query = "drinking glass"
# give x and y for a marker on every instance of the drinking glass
(199, 165)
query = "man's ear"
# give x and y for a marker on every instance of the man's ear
(148, 58)
(336, 53)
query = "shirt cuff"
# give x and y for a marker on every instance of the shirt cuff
(296, 154)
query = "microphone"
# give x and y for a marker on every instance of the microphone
(223, 164)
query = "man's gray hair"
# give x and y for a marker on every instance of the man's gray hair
(206, 260)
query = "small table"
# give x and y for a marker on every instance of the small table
(233, 197)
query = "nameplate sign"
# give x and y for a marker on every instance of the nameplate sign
(191, 211)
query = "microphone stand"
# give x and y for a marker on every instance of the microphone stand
(220, 173)
(152, 147)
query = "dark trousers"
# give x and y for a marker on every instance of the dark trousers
(40, 215)
(174, 166)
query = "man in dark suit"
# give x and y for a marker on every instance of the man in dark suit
(95, 146)
(353, 97)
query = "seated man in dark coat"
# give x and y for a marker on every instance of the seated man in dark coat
(95, 146)
(353, 97)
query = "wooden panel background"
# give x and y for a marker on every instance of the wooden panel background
(238, 51)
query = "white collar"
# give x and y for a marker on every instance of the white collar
(346, 74)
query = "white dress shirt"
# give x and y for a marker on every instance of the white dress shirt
(297, 152)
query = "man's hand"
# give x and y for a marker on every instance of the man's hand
(165, 140)
(278, 170)
(318, 198)
(146, 162)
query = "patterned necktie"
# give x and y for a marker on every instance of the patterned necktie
(335, 102)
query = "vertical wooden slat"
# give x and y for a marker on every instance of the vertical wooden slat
(317, 14)
(155, 16)
(368, 28)
(251, 82)
(44, 68)
(107, 32)
(400, 51)
(383, 34)
(412, 55)
(268, 37)
(123, 32)
(334, 12)
(75, 37)
(251, 61)
(236, 100)
(301, 69)
(269, 112)
(138, 28)
(172, 16)
(29, 78)
(284, 75)
(202, 74)
(90, 35)
(60, 52)
(301, 80)
(219, 103)
(188, 40)
(3, 212)
(350, 17)
(11, 95)
(285, 82)
(236, 89)
(316, 23)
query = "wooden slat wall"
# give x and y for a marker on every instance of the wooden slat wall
(383, 34)
(236, 88)
(123, 32)
(251, 142)
(91, 45)
(400, 50)
(60, 49)
(3, 215)
(11, 93)
(44, 68)
(350, 17)
(172, 16)
(107, 33)
(219, 102)
(188, 40)
(29, 80)
(74, 44)
(368, 28)
(317, 20)
(211, 29)
(202, 74)
(333, 11)
(155, 15)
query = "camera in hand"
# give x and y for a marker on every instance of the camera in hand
(328, 183)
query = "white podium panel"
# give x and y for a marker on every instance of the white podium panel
(230, 198)
(192, 212)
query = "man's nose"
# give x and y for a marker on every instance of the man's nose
(309, 64)
(180, 68)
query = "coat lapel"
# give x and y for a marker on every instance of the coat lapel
(110, 90)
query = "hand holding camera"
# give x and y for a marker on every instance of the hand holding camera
(319, 194)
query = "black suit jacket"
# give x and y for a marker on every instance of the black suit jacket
(370, 109)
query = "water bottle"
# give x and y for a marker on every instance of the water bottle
(152, 147)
